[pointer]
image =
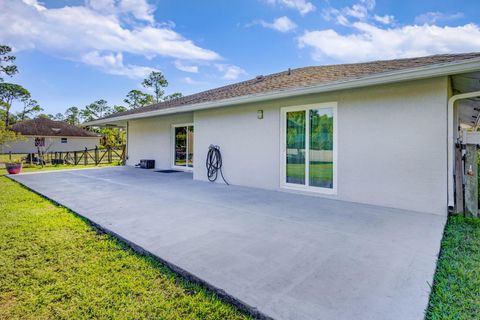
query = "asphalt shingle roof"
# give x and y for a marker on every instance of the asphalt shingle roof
(302, 77)
(47, 127)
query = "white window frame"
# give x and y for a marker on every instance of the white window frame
(283, 148)
(172, 147)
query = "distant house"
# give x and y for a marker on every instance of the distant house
(51, 136)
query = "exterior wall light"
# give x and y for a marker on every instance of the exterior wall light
(259, 114)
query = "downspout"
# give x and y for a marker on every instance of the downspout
(450, 145)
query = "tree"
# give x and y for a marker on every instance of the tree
(5, 62)
(8, 93)
(58, 116)
(30, 107)
(116, 109)
(95, 110)
(7, 136)
(72, 116)
(136, 99)
(173, 96)
(157, 82)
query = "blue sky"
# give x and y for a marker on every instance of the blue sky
(71, 53)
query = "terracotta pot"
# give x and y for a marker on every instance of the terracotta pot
(13, 168)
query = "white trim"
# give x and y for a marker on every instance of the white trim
(172, 147)
(283, 148)
(436, 70)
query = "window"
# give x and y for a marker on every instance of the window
(183, 146)
(63, 140)
(309, 152)
(39, 142)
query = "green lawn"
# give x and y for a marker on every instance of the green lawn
(318, 171)
(49, 167)
(456, 289)
(53, 265)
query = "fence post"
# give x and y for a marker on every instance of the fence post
(96, 155)
(85, 160)
(471, 181)
(75, 158)
(10, 155)
(124, 156)
(109, 154)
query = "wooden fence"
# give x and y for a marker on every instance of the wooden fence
(82, 157)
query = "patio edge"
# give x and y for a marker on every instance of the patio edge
(220, 293)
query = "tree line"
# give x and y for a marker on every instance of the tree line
(11, 92)
(134, 99)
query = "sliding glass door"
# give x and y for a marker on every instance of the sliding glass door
(183, 146)
(309, 147)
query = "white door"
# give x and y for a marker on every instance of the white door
(183, 146)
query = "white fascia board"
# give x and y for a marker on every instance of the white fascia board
(376, 79)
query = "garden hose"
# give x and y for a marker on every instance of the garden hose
(214, 164)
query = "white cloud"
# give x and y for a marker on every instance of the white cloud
(230, 72)
(73, 32)
(282, 24)
(369, 42)
(358, 11)
(140, 9)
(434, 17)
(189, 80)
(185, 68)
(302, 6)
(386, 19)
(113, 64)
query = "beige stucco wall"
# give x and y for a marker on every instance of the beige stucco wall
(52, 144)
(391, 144)
(151, 138)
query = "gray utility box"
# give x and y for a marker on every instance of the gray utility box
(147, 164)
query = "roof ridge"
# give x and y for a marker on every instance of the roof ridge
(301, 77)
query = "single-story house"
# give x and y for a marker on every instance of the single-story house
(381, 132)
(50, 136)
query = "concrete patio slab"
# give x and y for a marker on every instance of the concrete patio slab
(290, 256)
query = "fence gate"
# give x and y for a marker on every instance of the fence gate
(470, 146)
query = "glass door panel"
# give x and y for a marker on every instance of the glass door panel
(321, 148)
(190, 146)
(180, 146)
(295, 135)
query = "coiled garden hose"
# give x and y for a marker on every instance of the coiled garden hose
(214, 163)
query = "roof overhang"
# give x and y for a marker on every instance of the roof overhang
(431, 71)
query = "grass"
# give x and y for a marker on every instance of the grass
(456, 289)
(318, 171)
(5, 157)
(49, 167)
(53, 265)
